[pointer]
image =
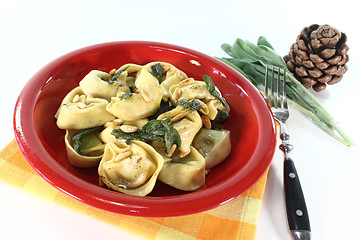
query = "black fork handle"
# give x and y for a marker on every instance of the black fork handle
(297, 213)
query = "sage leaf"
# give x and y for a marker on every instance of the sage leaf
(222, 115)
(193, 104)
(212, 89)
(114, 77)
(262, 41)
(157, 70)
(80, 136)
(154, 130)
(126, 95)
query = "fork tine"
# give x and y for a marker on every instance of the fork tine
(272, 88)
(266, 85)
(278, 89)
(284, 91)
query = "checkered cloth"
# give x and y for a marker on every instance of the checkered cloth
(236, 219)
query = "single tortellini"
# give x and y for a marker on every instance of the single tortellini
(96, 83)
(187, 173)
(187, 122)
(214, 145)
(136, 105)
(171, 77)
(78, 111)
(198, 90)
(146, 78)
(86, 150)
(132, 71)
(162, 73)
(131, 169)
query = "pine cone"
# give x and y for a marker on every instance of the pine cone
(318, 57)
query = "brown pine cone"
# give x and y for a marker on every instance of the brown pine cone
(318, 57)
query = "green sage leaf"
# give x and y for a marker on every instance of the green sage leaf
(154, 130)
(126, 95)
(193, 104)
(114, 77)
(222, 115)
(212, 89)
(157, 70)
(80, 136)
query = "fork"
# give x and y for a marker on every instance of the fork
(298, 218)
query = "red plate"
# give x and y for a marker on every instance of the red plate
(252, 127)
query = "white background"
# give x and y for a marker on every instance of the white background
(33, 33)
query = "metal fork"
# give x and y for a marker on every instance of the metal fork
(297, 214)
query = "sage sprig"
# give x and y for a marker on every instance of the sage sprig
(251, 60)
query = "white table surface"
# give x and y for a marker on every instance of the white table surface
(33, 33)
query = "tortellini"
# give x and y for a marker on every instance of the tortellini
(197, 90)
(187, 173)
(131, 125)
(131, 169)
(187, 123)
(79, 111)
(89, 152)
(137, 105)
(169, 76)
(96, 84)
(215, 145)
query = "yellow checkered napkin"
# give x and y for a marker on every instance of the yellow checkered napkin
(234, 220)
